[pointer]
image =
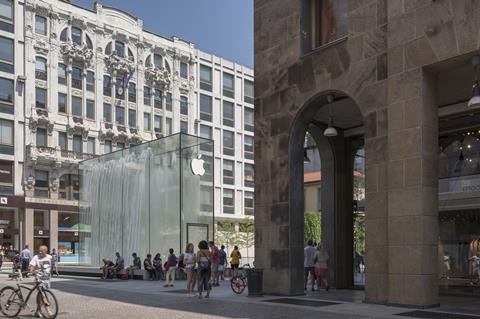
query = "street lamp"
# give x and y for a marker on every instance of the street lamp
(475, 100)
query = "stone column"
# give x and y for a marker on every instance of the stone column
(412, 190)
(28, 228)
(53, 229)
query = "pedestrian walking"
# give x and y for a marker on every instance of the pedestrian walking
(189, 260)
(54, 262)
(204, 269)
(321, 267)
(223, 262)
(235, 257)
(215, 261)
(309, 262)
(25, 256)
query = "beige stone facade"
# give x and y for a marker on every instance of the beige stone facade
(387, 67)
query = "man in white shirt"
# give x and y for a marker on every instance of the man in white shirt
(475, 259)
(309, 263)
(41, 267)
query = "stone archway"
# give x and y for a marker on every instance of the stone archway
(337, 184)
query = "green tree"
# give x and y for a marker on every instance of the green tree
(226, 234)
(312, 226)
(246, 234)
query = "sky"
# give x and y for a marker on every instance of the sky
(220, 27)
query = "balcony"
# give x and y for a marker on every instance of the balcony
(54, 156)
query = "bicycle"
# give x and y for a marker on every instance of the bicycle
(12, 300)
(239, 282)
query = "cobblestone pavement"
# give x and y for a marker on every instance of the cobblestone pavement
(93, 298)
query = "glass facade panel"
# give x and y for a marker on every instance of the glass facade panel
(147, 198)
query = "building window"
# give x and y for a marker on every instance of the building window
(146, 95)
(157, 103)
(184, 126)
(107, 85)
(228, 172)
(90, 81)
(228, 201)
(62, 74)
(248, 118)
(90, 112)
(132, 118)
(206, 132)
(77, 78)
(40, 25)
(88, 41)
(76, 36)
(120, 146)
(205, 107)
(157, 61)
(183, 105)
(324, 21)
(157, 123)
(228, 85)
(119, 115)
(41, 189)
(132, 92)
(76, 106)
(228, 114)
(248, 177)
(119, 49)
(248, 147)
(41, 137)
(77, 144)
(6, 55)
(168, 126)
(249, 203)
(91, 145)
(41, 68)
(146, 122)
(6, 11)
(183, 70)
(168, 102)
(107, 113)
(6, 96)
(205, 78)
(62, 141)
(62, 103)
(69, 189)
(6, 132)
(107, 147)
(40, 98)
(119, 89)
(63, 35)
(228, 143)
(248, 96)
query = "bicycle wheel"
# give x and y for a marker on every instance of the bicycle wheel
(48, 305)
(10, 302)
(238, 285)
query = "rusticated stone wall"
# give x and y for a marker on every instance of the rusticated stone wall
(381, 65)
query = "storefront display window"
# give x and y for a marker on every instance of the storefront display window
(9, 234)
(68, 230)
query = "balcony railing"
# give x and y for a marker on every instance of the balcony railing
(77, 83)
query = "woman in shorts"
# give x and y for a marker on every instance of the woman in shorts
(189, 261)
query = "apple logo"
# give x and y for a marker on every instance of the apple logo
(197, 166)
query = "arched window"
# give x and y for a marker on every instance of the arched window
(120, 49)
(76, 36)
(157, 60)
(167, 67)
(63, 35)
(41, 68)
(88, 41)
(108, 48)
(148, 61)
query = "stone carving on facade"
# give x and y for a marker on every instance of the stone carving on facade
(116, 64)
(53, 184)
(41, 120)
(77, 53)
(159, 77)
(106, 133)
(29, 182)
(77, 128)
(42, 153)
(41, 47)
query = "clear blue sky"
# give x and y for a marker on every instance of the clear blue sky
(221, 27)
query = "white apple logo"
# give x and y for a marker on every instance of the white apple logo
(197, 166)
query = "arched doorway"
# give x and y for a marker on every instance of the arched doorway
(337, 178)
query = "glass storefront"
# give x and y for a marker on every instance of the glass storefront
(145, 199)
(68, 233)
(459, 209)
(9, 233)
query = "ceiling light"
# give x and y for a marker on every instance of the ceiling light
(331, 131)
(475, 100)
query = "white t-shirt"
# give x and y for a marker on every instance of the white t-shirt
(43, 265)
(309, 256)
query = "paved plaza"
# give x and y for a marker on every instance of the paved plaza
(93, 298)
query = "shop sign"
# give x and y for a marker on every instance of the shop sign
(2, 231)
(42, 232)
(4, 222)
(3, 200)
(459, 187)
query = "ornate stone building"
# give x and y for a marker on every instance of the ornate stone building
(394, 78)
(93, 82)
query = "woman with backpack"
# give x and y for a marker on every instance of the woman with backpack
(171, 269)
(204, 269)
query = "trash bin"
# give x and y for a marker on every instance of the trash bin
(255, 282)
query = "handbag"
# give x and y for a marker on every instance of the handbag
(166, 266)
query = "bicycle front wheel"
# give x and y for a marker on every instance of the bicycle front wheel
(47, 304)
(10, 302)
(238, 285)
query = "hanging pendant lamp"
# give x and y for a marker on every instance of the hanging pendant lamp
(331, 131)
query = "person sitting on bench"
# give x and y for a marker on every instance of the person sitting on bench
(107, 268)
(137, 265)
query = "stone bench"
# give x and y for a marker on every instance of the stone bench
(140, 274)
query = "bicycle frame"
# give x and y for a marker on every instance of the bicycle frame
(30, 291)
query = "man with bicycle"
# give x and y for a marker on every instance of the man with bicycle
(41, 267)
